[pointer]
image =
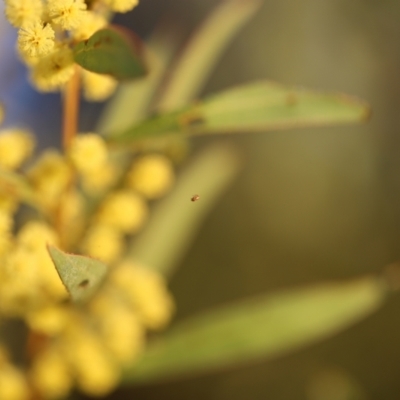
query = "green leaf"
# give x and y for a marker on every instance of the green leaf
(132, 101)
(112, 51)
(256, 107)
(261, 327)
(16, 186)
(82, 276)
(1, 113)
(208, 175)
(203, 51)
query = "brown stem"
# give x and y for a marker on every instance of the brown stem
(70, 125)
(71, 109)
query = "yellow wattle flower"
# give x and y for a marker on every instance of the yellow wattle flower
(67, 14)
(22, 12)
(36, 39)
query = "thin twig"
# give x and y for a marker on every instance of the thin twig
(71, 109)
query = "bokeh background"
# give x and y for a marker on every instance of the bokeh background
(308, 205)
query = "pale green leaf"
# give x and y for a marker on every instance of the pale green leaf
(82, 276)
(256, 107)
(16, 186)
(203, 51)
(258, 328)
(208, 176)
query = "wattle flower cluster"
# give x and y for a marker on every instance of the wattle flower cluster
(81, 203)
(47, 31)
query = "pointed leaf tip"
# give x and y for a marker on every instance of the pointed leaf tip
(82, 276)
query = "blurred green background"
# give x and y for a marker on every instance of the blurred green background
(309, 205)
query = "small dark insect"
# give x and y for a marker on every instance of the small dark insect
(84, 283)
(195, 197)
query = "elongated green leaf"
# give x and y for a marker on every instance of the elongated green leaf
(256, 107)
(112, 51)
(263, 327)
(82, 276)
(1, 113)
(203, 51)
(16, 186)
(208, 176)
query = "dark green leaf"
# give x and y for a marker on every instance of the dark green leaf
(256, 107)
(82, 276)
(112, 51)
(267, 326)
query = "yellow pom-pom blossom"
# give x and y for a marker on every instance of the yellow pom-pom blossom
(88, 152)
(54, 70)
(95, 371)
(121, 6)
(36, 39)
(101, 178)
(97, 87)
(146, 290)
(103, 242)
(49, 177)
(34, 237)
(22, 12)
(19, 283)
(16, 145)
(13, 385)
(151, 175)
(124, 210)
(50, 374)
(91, 23)
(49, 320)
(67, 14)
(120, 329)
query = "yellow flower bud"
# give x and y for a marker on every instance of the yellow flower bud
(13, 385)
(124, 210)
(67, 14)
(22, 12)
(95, 371)
(36, 235)
(50, 374)
(89, 25)
(19, 283)
(49, 320)
(36, 39)
(100, 179)
(151, 175)
(54, 70)
(50, 176)
(147, 291)
(16, 145)
(103, 242)
(88, 152)
(123, 334)
(97, 87)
